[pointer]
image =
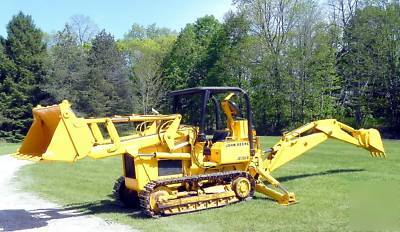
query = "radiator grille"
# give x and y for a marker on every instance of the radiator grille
(169, 167)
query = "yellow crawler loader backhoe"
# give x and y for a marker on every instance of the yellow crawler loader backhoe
(204, 155)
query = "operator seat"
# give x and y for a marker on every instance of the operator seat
(219, 135)
(236, 112)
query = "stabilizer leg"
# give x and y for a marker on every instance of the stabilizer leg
(286, 198)
(280, 193)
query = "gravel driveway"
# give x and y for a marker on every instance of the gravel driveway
(23, 212)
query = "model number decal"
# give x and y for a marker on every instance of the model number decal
(240, 144)
(243, 157)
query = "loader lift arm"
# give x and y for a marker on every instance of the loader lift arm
(58, 135)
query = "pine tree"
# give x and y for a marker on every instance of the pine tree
(23, 76)
(106, 90)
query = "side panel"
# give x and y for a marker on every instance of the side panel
(230, 152)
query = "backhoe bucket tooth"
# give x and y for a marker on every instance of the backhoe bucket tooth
(371, 139)
(56, 135)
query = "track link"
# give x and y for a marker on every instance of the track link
(123, 196)
(227, 177)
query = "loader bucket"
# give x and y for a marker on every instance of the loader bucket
(56, 134)
(371, 140)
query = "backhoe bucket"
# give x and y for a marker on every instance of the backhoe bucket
(57, 135)
(371, 140)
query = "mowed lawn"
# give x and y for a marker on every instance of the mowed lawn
(326, 181)
(8, 148)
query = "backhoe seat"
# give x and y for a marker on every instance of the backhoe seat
(219, 135)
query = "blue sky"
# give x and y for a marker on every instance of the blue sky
(116, 16)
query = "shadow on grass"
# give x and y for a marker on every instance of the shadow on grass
(108, 206)
(104, 207)
(21, 219)
(301, 176)
(324, 173)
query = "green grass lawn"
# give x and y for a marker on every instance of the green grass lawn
(328, 182)
(7, 148)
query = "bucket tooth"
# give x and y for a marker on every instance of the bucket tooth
(372, 141)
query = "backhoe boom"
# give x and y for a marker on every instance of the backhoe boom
(300, 140)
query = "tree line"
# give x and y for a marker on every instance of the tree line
(299, 61)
